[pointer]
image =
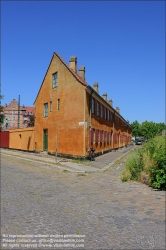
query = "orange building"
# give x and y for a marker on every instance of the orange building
(71, 116)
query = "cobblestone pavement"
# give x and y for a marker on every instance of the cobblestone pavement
(39, 199)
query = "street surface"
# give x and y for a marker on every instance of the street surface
(42, 202)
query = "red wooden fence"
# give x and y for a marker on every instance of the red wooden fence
(4, 139)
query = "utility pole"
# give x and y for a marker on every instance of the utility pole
(56, 160)
(19, 111)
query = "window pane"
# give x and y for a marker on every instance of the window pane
(50, 106)
(58, 104)
(45, 109)
(93, 106)
(55, 80)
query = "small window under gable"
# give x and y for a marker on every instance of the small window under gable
(98, 109)
(93, 106)
(58, 104)
(45, 109)
(55, 80)
(50, 106)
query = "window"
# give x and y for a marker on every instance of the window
(55, 80)
(13, 124)
(93, 135)
(58, 104)
(50, 106)
(117, 120)
(13, 118)
(93, 106)
(98, 135)
(105, 136)
(108, 137)
(98, 109)
(111, 117)
(108, 115)
(45, 109)
(105, 113)
(101, 113)
(102, 135)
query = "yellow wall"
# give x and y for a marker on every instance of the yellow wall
(119, 129)
(22, 139)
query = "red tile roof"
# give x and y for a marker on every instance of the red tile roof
(30, 109)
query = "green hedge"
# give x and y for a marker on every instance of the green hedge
(148, 164)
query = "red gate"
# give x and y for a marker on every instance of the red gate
(4, 139)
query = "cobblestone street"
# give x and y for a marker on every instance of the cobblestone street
(40, 199)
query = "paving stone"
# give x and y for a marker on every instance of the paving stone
(113, 215)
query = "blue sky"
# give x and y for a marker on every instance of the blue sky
(120, 43)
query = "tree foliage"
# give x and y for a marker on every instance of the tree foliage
(30, 121)
(147, 129)
(135, 128)
(1, 113)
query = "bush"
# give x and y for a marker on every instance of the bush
(148, 164)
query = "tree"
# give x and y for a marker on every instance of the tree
(160, 127)
(148, 130)
(30, 121)
(135, 128)
(1, 113)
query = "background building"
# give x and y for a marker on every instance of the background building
(16, 115)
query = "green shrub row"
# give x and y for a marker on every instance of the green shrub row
(148, 164)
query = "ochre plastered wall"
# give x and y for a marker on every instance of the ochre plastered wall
(119, 130)
(22, 139)
(63, 122)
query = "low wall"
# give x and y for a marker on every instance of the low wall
(22, 139)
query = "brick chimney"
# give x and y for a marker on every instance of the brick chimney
(110, 102)
(73, 63)
(118, 110)
(104, 96)
(95, 86)
(81, 72)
